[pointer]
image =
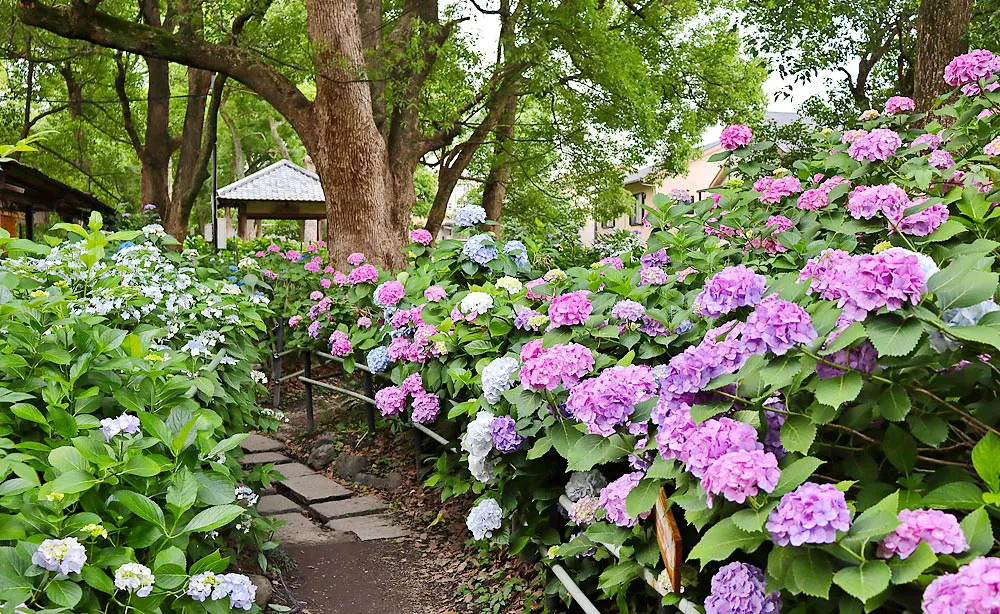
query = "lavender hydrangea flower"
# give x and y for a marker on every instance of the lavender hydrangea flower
(613, 496)
(498, 377)
(937, 529)
(480, 249)
(125, 423)
(426, 407)
(730, 288)
(64, 556)
(517, 252)
(810, 514)
(659, 258)
(529, 319)
(201, 585)
(777, 326)
(740, 474)
(608, 400)
(945, 595)
(485, 518)
(739, 588)
(713, 439)
(240, 590)
(469, 215)
(628, 310)
(506, 439)
(774, 409)
(865, 201)
(134, 578)
(652, 276)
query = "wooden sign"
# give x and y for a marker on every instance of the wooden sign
(669, 538)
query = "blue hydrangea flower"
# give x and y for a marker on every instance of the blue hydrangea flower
(378, 359)
(231, 278)
(481, 249)
(126, 245)
(233, 268)
(469, 215)
(518, 253)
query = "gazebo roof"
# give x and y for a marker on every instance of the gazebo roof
(23, 186)
(283, 181)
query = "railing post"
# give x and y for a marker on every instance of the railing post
(307, 367)
(279, 348)
(366, 379)
(418, 452)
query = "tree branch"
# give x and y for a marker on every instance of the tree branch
(127, 118)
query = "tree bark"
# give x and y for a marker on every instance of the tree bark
(942, 26)
(495, 190)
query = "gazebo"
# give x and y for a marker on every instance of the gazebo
(281, 191)
(25, 191)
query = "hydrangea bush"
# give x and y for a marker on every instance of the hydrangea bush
(126, 388)
(802, 362)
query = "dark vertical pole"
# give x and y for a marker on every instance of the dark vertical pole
(366, 379)
(29, 222)
(418, 452)
(215, 185)
(279, 347)
(307, 368)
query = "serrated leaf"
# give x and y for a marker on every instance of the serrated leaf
(722, 540)
(213, 518)
(836, 391)
(864, 581)
(893, 336)
(141, 505)
(955, 496)
(813, 572)
(795, 474)
(894, 404)
(798, 433)
(986, 460)
(642, 498)
(909, 569)
(64, 593)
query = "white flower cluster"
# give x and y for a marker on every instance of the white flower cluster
(134, 578)
(125, 423)
(476, 302)
(204, 343)
(498, 378)
(258, 376)
(511, 284)
(245, 493)
(64, 556)
(240, 590)
(478, 442)
(484, 518)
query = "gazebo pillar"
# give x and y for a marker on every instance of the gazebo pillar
(241, 223)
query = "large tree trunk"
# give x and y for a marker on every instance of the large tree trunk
(495, 189)
(350, 155)
(942, 26)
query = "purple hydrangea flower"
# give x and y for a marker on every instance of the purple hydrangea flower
(937, 529)
(924, 222)
(879, 144)
(506, 439)
(740, 474)
(777, 326)
(608, 400)
(714, 438)
(945, 595)
(867, 200)
(928, 139)
(774, 415)
(730, 288)
(652, 276)
(772, 189)
(974, 589)
(426, 407)
(613, 497)
(735, 136)
(861, 358)
(522, 321)
(390, 400)
(810, 514)
(739, 588)
(658, 258)
(627, 310)
(653, 327)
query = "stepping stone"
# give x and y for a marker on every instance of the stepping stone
(346, 508)
(299, 530)
(313, 488)
(369, 528)
(262, 458)
(295, 470)
(261, 443)
(270, 505)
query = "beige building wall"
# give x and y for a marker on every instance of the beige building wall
(701, 175)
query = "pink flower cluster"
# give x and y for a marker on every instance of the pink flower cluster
(340, 345)
(818, 197)
(773, 189)
(608, 400)
(652, 276)
(810, 514)
(613, 498)
(421, 236)
(879, 144)
(898, 104)
(315, 265)
(777, 326)
(355, 259)
(867, 200)
(735, 137)
(391, 400)
(613, 261)
(364, 274)
(935, 528)
(435, 293)
(389, 293)
(729, 289)
(923, 222)
(739, 474)
(419, 349)
(971, 67)
(940, 159)
(974, 589)
(548, 368)
(928, 139)
(570, 309)
(713, 439)
(992, 149)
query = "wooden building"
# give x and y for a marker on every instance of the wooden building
(27, 194)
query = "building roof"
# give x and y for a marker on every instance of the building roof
(281, 181)
(25, 186)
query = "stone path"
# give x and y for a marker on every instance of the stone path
(315, 508)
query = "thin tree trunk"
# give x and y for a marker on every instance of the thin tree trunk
(495, 189)
(29, 91)
(239, 160)
(273, 124)
(942, 26)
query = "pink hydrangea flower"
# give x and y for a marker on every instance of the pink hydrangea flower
(613, 498)
(714, 438)
(530, 289)
(426, 407)
(294, 321)
(971, 67)
(879, 144)
(608, 400)
(421, 236)
(316, 295)
(740, 474)
(992, 148)
(548, 368)
(772, 189)
(340, 345)
(389, 293)
(940, 159)
(865, 201)
(928, 139)
(273, 248)
(329, 270)
(435, 293)
(810, 514)
(673, 415)
(325, 283)
(613, 261)
(777, 326)
(259, 254)
(364, 322)
(850, 136)
(365, 273)
(652, 276)
(413, 384)
(570, 309)
(813, 200)
(924, 222)
(937, 529)
(735, 137)
(315, 265)
(355, 259)
(974, 589)
(390, 400)
(898, 104)
(340, 279)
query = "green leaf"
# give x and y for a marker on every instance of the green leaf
(28, 412)
(68, 458)
(865, 581)
(751, 520)
(213, 518)
(978, 533)
(97, 579)
(986, 460)
(72, 482)
(700, 413)
(183, 490)
(591, 450)
(838, 390)
(894, 404)
(959, 285)
(142, 506)
(955, 495)
(642, 498)
(795, 474)
(876, 522)
(724, 538)
(900, 448)
(619, 575)
(541, 446)
(909, 569)
(813, 573)
(985, 335)
(64, 593)
(893, 336)
(798, 433)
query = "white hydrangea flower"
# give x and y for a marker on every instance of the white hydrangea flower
(485, 518)
(476, 302)
(481, 468)
(155, 230)
(477, 440)
(498, 378)
(511, 284)
(245, 493)
(134, 578)
(65, 556)
(258, 376)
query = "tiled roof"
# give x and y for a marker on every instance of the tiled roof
(282, 181)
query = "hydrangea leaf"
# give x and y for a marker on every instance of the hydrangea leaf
(813, 572)
(836, 391)
(798, 433)
(724, 538)
(642, 498)
(619, 575)
(900, 448)
(97, 579)
(909, 569)
(213, 518)
(978, 533)
(751, 520)
(876, 522)
(795, 474)
(893, 336)
(864, 581)
(64, 593)
(986, 460)
(894, 404)
(956, 496)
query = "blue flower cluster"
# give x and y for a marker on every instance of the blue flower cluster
(518, 253)
(480, 249)
(469, 215)
(378, 359)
